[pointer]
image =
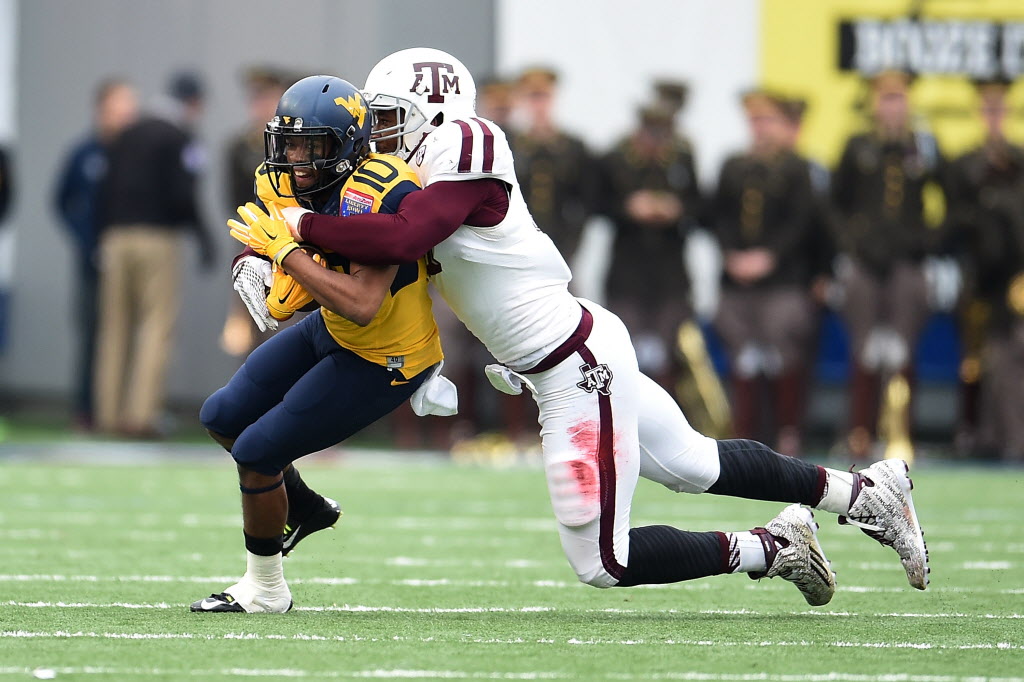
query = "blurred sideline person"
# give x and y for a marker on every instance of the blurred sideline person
(370, 347)
(879, 193)
(264, 86)
(554, 168)
(603, 423)
(148, 202)
(818, 248)
(986, 228)
(762, 212)
(76, 199)
(498, 100)
(650, 193)
(6, 194)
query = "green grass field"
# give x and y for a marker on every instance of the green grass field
(444, 572)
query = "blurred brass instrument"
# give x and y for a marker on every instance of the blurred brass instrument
(699, 390)
(1015, 294)
(894, 420)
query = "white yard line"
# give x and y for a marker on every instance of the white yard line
(455, 582)
(477, 675)
(360, 608)
(572, 641)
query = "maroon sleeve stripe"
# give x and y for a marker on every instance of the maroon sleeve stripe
(488, 146)
(466, 159)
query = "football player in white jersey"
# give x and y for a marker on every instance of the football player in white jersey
(603, 423)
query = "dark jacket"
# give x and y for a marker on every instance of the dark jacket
(646, 260)
(769, 204)
(152, 179)
(77, 194)
(878, 194)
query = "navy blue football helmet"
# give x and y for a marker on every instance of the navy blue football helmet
(319, 135)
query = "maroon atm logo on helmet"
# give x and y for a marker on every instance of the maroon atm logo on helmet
(442, 80)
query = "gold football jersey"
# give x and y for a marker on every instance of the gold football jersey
(403, 335)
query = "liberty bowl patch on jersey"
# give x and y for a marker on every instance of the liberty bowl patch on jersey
(355, 203)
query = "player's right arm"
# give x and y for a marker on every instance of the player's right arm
(356, 295)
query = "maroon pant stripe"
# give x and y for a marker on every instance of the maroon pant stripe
(466, 158)
(819, 488)
(606, 477)
(488, 146)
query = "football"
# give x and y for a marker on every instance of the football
(286, 295)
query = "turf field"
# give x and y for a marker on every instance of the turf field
(438, 571)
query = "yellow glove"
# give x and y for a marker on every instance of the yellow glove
(286, 296)
(267, 234)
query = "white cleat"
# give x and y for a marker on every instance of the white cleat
(884, 509)
(246, 596)
(801, 562)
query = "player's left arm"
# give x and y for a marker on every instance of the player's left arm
(425, 219)
(356, 295)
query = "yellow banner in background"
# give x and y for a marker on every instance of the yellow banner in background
(821, 49)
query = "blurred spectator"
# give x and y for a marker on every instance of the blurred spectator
(651, 196)
(554, 168)
(6, 199)
(148, 202)
(244, 153)
(76, 199)
(5, 184)
(496, 101)
(819, 244)
(762, 212)
(879, 192)
(986, 227)
(264, 86)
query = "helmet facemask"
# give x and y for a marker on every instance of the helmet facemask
(313, 158)
(409, 127)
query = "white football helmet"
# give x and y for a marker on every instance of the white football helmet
(418, 84)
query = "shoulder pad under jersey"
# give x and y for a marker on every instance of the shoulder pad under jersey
(265, 189)
(377, 186)
(465, 149)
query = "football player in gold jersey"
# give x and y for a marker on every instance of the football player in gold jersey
(371, 346)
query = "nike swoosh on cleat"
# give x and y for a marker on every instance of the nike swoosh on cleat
(396, 382)
(290, 540)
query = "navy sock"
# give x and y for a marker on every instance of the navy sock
(263, 546)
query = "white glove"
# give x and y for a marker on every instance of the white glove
(505, 380)
(437, 395)
(292, 216)
(251, 278)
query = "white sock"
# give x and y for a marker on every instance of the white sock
(746, 553)
(265, 571)
(838, 489)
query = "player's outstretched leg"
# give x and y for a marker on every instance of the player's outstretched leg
(786, 547)
(881, 505)
(876, 499)
(308, 511)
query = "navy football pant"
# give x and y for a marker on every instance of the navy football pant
(298, 393)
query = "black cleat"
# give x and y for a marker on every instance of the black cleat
(326, 515)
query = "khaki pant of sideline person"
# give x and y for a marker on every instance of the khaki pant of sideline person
(140, 273)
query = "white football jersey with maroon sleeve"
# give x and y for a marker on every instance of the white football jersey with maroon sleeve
(507, 283)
